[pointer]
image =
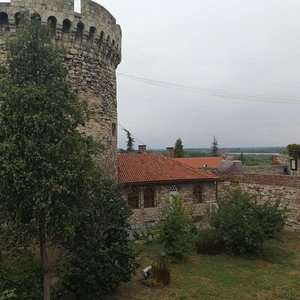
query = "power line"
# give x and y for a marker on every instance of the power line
(217, 93)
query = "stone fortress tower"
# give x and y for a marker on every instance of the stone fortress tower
(92, 41)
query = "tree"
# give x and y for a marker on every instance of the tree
(44, 159)
(178, 150)
(175, 230)
(130, 141)
(215, 147)
(244, 224)
(99, 253)
(293, 150)
(242, 158)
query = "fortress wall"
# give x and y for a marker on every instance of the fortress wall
(267, 188)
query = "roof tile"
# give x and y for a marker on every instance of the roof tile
(200, 162)
(154, 168)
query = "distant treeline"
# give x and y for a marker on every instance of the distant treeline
(249, 155)
(204, 151)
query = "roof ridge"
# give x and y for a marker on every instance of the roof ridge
(193, 169)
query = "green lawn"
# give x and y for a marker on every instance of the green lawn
(275, 274)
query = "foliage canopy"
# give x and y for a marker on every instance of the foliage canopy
(51, 190)
(293, 150)
(214, 147)
(130, 141)
(44, 159)
(100, 256)
(175, 230)
(178, 150)
(244, 224)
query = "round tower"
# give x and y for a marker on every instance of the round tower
(92, 41)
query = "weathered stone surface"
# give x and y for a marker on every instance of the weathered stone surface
(93, 52)
(142, 216)
(267, 188)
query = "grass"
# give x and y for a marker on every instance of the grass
(274, 274)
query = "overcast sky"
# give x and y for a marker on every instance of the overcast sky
(247, 47)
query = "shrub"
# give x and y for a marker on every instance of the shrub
(209, 241)
(175, 230)
(21, 280)
(154, 232)
(245, 224)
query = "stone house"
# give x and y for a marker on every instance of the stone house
(149, 180)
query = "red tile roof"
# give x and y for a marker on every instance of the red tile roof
(200, 162)
(155, 168)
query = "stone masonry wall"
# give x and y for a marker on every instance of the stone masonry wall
(285, 160)
(142, 216)
(92, 41)
(267, 170)
(267, 188)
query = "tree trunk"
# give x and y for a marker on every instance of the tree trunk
(44, 263)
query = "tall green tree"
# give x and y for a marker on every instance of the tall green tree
(175, 230)
(100, 256)
(44, 159)
(178, 150)
(214, 147)
(130, 141)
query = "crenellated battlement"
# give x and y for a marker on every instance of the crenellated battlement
(92, 40)
(95, 27)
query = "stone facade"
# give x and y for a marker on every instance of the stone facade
(267, 170)
(142, 216)
(267, 188)
(92, 41)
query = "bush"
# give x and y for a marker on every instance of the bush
(175, 230)
(245, 224)
(209, 241)
(21, 280)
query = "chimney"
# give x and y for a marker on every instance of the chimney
(170, 152)
(142, 149)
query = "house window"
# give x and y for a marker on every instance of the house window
(197, 194)
(174, 190)
(148, 198)
(133, 199)
(293, 164)
(151, 223)
(134, 226)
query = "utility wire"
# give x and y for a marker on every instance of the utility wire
(217, 93)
